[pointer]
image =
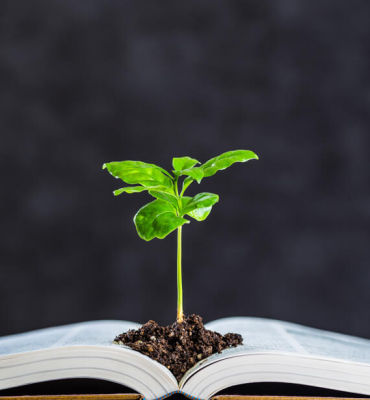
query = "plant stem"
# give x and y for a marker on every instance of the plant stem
(176, 187)
(180, 314)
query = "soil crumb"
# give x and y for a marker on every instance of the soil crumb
(178, 346)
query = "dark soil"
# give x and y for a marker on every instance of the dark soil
(178, 346)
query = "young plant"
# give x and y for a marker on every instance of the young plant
(165, 214)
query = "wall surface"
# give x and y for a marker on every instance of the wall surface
(88, 82)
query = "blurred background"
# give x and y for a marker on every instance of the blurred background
(88, 82)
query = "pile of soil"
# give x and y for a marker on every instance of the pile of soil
(178, 346)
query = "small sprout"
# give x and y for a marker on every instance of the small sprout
(170, 209)
(199, 356)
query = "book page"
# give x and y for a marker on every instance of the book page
(330, 345)
(259, 335)
(99, 333)
(83, 350)
(265, 335)
(282, 352)
(270, 336)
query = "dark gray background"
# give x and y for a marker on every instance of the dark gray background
(88, 82)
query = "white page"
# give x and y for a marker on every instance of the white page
(99, 333)
(81, 350)
(259, 335)
(330, 345)
(276, 337)
(282, 352)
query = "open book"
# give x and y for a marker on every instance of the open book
(273, 351)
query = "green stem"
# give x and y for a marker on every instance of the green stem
(176, 187)
(180, 313)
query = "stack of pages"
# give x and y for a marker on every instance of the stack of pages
(273, 351)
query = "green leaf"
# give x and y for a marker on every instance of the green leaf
(137, 189)
(200, 214)
(199, 206)
(156, 220)
(224, 161)
(200, 200)
(130, 189)
(138, 172)
(181, 163)
(194, 173)
(186, 183)
(170, 198)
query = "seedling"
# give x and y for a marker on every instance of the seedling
(165, 214)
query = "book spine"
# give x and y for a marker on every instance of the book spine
(177, 392)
